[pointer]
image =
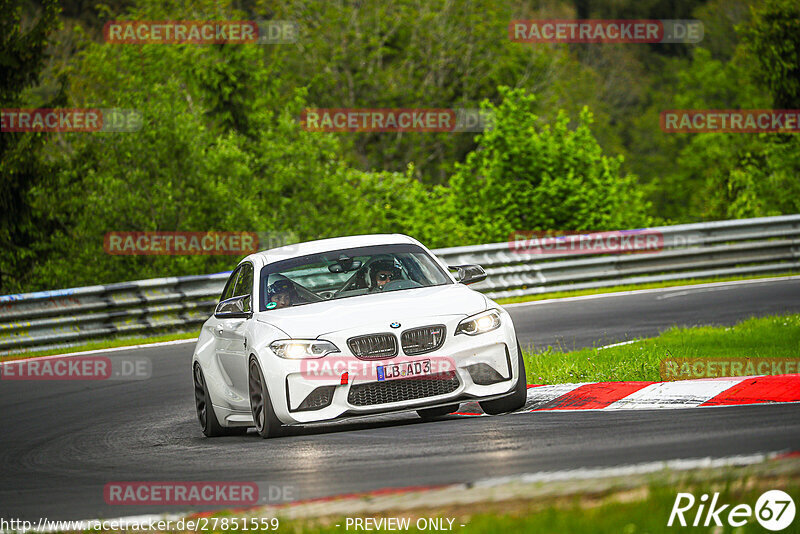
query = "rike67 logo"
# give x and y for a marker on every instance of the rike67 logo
(774, 510)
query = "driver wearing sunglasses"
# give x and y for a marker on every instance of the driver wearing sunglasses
(383, 272)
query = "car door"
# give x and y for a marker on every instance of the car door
(214, 324)
(232, 350)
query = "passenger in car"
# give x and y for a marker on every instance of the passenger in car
(282, 293)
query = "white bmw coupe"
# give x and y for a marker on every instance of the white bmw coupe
(352, 326)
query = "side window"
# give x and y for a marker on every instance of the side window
(244, 285)
(230, 285)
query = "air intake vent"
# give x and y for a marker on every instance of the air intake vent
(402, 390)
(319, 398)
(373, 346)
(484, 375)
(422, 340)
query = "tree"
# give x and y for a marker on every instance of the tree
(424, 54)
(773, 39)
(736, 175)
(23, 53)
(528, 176)
(220, 149)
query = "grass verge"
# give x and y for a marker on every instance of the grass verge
(640, 511)
(629, 504)
(765, 337)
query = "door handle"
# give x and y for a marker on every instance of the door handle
(220, 330)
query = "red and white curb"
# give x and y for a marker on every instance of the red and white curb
(732, 391)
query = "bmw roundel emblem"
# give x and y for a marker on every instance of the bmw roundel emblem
(395, 325)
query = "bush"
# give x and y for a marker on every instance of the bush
(528, 176)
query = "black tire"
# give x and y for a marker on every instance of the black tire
(205, 411)
(516, 400)
(440, 411)
(267, 423)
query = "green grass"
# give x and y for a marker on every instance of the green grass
(634, 287)
(766, 337)
(646, 516)
(103, 344)
(637, 511)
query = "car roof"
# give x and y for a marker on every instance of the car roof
(324, 245)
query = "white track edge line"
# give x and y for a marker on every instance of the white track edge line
(103, 351)
(621, 343)
(652, 290)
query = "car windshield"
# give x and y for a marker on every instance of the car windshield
(347, 273)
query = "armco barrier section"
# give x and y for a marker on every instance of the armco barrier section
(53, 319)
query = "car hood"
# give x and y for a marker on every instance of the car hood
(313, 320)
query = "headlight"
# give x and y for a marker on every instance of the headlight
(297, 349)
(480, 323)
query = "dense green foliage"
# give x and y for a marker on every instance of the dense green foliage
(22, 57)
(542, 176)
(576, 143)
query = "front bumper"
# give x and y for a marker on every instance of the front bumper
(484, 367)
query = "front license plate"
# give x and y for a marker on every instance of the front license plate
(404, 370)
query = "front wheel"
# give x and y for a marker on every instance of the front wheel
(516, 400)
(267, 423)
(205, 411)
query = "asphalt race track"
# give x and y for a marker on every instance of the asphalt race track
(63, 441)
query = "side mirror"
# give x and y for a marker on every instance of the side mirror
(469, 274)
(234, 308)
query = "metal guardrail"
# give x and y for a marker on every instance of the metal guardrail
(55, 319)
